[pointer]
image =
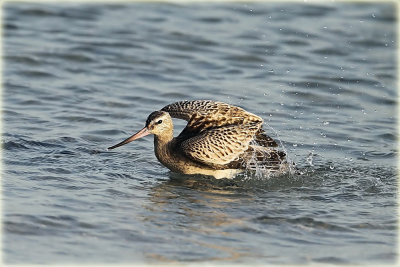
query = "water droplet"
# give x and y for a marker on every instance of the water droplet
(310, 159)
(373, 15)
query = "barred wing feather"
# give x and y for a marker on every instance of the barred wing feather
(206, 114)
(220, 146)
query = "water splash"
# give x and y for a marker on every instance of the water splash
(289, 161)
(265, 163)
(310, 159)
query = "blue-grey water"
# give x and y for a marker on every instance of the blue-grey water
(78, 78)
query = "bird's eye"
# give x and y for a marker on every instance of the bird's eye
(159, 122)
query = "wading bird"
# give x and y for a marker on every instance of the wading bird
(219, 139)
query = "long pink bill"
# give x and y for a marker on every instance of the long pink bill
(137, 135)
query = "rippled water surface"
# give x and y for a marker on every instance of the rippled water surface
(78, 78)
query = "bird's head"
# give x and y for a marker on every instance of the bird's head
(158, 123)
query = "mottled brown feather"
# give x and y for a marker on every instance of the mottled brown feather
(260, 157)
(264, 140)
(205, 114)
(219, 146)
(220, 135)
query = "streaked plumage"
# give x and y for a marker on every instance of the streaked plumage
(219, 140)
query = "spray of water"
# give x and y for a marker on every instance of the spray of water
(260, 164)
(291, 164)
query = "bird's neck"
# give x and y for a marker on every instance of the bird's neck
(161, 144)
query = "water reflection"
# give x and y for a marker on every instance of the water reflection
(199, 206)
(208, 218)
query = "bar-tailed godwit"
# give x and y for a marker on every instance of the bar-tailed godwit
(219, 140)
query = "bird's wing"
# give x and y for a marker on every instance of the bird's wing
(220, 146)
(186, 109)
(262, 139)
(206, 114)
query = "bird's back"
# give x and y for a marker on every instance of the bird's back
(222, 136)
